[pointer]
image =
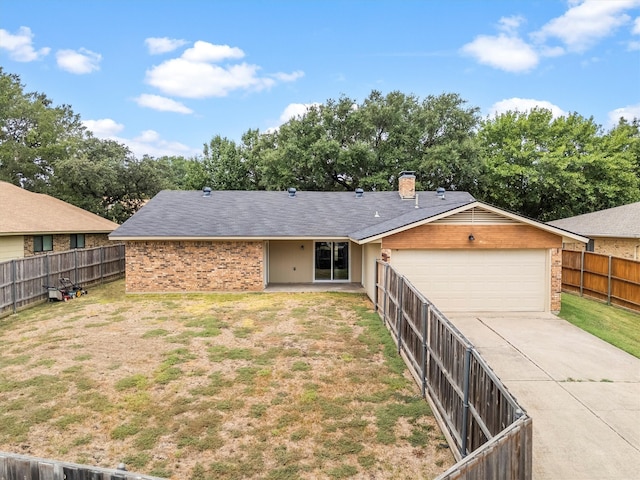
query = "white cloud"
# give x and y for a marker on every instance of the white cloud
(293, 110)
(629, 113)
(289, 77)
(505, 52)
(196, 73)
(80, 62)
(20, 45)
(103, 128)
(208, 52)
(511, 24)
(296, 110)
(524, 105)
(158, 45)
(149, 142)
(585, 23)
(162, 104)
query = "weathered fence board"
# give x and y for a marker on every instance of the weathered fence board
(23, 280)
(611, 279)
(490, 433)
(21, 467)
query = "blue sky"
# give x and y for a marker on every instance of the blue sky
(164, 76)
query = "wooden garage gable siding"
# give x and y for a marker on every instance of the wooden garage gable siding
(477, 216)
(444, 236)
(194, 266)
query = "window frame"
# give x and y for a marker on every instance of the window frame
(40, 245)
(73, 241)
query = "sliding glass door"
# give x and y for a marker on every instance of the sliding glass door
(331, 261)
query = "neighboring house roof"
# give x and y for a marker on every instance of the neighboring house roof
(619, 222)
(28, 213)
(173, 215)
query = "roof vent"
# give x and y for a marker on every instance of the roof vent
(292, 192)
(359, 192)
(440, 192)
(206, 192)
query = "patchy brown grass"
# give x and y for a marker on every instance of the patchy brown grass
(275, 386)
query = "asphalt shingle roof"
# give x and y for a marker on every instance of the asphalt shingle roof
(622, 221)
(25, 213)
(269, 214)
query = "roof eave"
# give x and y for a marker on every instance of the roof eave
(498, 211)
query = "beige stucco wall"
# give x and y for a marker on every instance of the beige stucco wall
(290, 261)
(372, 251)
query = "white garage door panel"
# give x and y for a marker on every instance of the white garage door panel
(482, 280)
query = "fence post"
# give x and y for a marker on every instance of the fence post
(14, 286)
(75, 266)
(47, 268)
(423, 377)
(609, 282)
(399, 314)
(102, 265)
(465, 404)
(581, 272)
(385, 300)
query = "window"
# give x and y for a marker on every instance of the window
(331, 261)
(43, 243)
(590, 245)
(77, 240)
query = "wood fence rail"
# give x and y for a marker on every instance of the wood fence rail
(614, 280)
(23, 280)
(21, 467)
(491, 434)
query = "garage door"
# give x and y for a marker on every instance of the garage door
(480, 280)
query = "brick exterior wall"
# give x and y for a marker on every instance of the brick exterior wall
(618, 247)
(194, 266)
(556, 280)
(62, 243)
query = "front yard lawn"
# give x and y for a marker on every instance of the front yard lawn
(615, 325)
(273, 386)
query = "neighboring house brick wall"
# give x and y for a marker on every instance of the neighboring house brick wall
(194, 266)
(62, 243)
(617, 247)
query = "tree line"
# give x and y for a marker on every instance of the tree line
(527, 162)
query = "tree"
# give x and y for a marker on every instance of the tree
(34, 135)
(548, 168)
(342, 145)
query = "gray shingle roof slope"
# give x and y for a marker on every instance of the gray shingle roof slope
(622, 221)
(271, 214)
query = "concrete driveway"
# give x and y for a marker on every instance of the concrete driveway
(582, 393)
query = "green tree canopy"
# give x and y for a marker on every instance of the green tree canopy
(548, 168)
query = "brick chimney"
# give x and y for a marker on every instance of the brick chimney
(407, 185)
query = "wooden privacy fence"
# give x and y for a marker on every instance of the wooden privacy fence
(612, 279)
(491, 434)
(21, 467)
(22, 280)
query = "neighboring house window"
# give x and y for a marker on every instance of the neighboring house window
(590, 245)
(43, 243)
(77, 240)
